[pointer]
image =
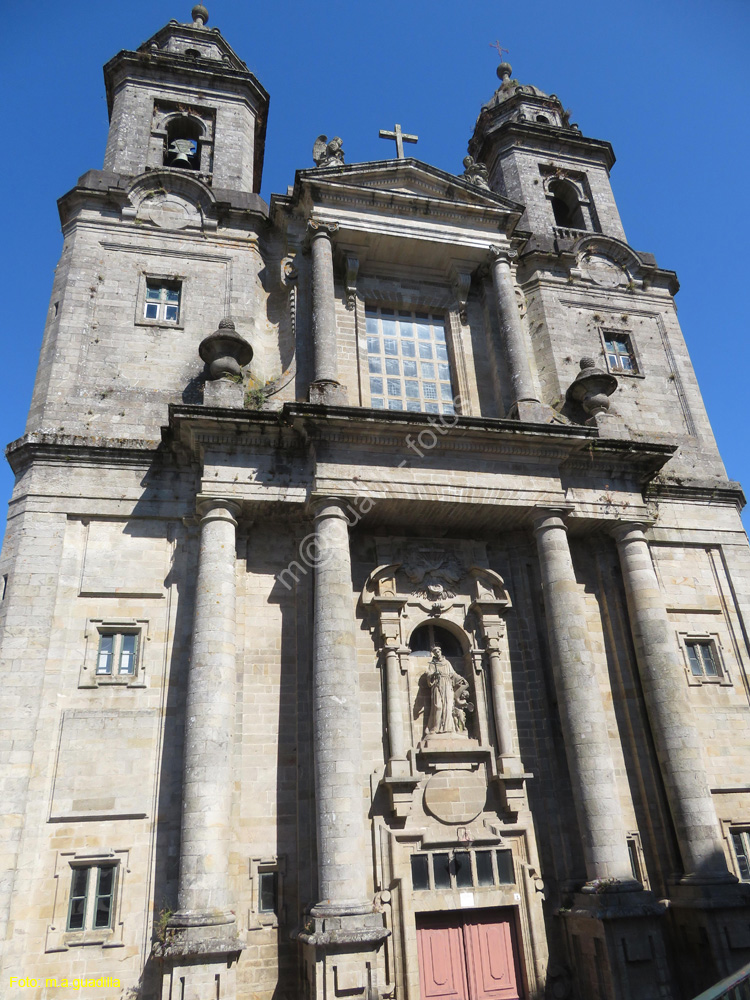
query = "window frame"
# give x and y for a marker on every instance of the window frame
(416, 312)
(60, 937)
(713, 641)
(164, 280)
(472, 851)
(257, 917)
(742, 831)
(99, 628)
(608, 332)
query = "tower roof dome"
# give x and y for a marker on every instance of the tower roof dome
(509, 88)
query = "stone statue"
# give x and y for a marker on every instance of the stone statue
(476, 173)
(328, 154)
(450, 696)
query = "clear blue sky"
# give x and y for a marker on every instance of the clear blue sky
(665, 81)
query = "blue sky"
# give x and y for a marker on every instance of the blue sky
(665, 81)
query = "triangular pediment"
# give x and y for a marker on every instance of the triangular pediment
(397, 183)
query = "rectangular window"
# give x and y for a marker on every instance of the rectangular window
(117, 654)
(410, 350)
(620, 354)
(268, 892)
(741, 847)
(92, 890)
(462, 869)
(162, 302)
(701, 658)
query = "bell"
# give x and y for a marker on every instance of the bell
(181, 152)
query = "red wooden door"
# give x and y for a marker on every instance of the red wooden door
(467, 956)
(442, 966)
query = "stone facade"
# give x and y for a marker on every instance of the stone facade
(325, 675)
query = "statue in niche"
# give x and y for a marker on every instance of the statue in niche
(476, 173)
(449, 695)
(328, 154)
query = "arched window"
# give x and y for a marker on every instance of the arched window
(543, 119)
(429, 635)
(566, 206)
(182, 147)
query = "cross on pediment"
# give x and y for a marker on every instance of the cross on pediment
(400, 137)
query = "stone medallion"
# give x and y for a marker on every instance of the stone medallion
(455, 796)
(168, 211)
(602, 271)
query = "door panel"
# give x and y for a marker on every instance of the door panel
(468, 956)
(442, 972)
(490, 960)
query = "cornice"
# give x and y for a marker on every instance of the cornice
(51, 449)
(728, 493)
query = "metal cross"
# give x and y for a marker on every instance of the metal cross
(500, 49)
(400, 137)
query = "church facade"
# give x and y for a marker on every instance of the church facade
(375, 603)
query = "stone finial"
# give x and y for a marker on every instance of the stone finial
(328, 154)
(225, 352)
(503, 71)
(199, 15)
(592, 388)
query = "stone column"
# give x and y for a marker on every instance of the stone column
(204, 898)
(396, 742)
(584, 722)
(325, 387)
(342, 887)
(677, 744)
(502, 719)
(515, 342)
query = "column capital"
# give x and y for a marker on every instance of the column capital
(629, 531)
(217, 509)
(550, 517)
(327, 506)
(316, 228)
(503, 254)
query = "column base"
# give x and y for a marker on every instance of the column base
(331, 924)
(710, 923)
(342, 955)
(196, 979)
(326, 392)
(615, 936)
(199, 932)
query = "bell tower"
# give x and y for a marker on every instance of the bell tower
(537, 157)
(185, 100)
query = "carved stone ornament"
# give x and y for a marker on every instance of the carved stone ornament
(476, 173)
(592, 388)
(423, 561)
(602, 270)
(170, 211)
(455, 796)
(225, 352)
(328, 154)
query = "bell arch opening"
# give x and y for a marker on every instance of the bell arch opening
(566, 205)
(182, 147)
